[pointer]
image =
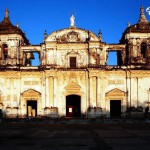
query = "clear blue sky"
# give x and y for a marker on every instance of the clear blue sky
(36, 16)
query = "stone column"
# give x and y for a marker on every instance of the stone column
(47, 103)
(51, 91)
(98, 92)
(15, 92)
(103, 98)
(91, 94)
(137, 91)
(11, 91)
(43, 92)
(55, 91)
(94, 91)
(0, 53)
(87, 85)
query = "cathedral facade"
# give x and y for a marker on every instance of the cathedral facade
(73, 76)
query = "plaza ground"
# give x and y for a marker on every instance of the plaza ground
(75, 134)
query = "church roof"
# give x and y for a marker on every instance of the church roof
(6, 27)
(142, 26)
(72, 34)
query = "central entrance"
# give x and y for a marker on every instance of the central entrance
(115, 108)
(73, 106)
(31, 108)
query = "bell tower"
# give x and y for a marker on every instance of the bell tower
(11, 39)
(137, 40)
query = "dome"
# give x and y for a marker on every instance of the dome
(143, 26)
(6, 27)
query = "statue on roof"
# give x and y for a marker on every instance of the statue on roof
(72, 21)
(148, 10)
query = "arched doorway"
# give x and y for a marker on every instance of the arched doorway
(73, 106)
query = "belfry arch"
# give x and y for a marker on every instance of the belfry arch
(4, 51)
(143, 51)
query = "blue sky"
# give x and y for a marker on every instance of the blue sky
(36, 16)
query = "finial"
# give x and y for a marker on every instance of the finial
(100, 34)
(72, 21)
(129, 24)
(45, 34)
(142, 18)
(17, 25)
(6, 13)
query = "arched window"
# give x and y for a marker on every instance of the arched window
(143, 49)
(4, 51)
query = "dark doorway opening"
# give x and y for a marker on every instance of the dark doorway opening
(115, 108)
(73, 106)
(31, 108)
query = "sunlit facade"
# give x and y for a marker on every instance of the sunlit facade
(73, 77)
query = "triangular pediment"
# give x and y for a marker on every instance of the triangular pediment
(31, 94)
(73, 53)
(115, 92)
(73, 88)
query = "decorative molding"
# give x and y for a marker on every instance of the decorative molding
(73, 88)
(31, 94)
(115, 93)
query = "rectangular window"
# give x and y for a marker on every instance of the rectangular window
(72, 62)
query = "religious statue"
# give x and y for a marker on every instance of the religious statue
(148, 10)
(72, 21)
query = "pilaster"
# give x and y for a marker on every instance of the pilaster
(51, 91)
(11, 91)
(98, 92)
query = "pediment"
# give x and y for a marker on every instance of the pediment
(73, 88)
(70, 35)
(31, 94)
(73, 53)
(115, 92)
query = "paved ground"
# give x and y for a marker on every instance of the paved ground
(73, 136)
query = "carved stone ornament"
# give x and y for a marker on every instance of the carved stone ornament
(115, 93)
(32, 94)
(73, 88)
(70, 37)
(73, 37)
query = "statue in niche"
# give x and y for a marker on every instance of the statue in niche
(28, 59)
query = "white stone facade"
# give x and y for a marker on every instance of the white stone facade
(73, 65)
